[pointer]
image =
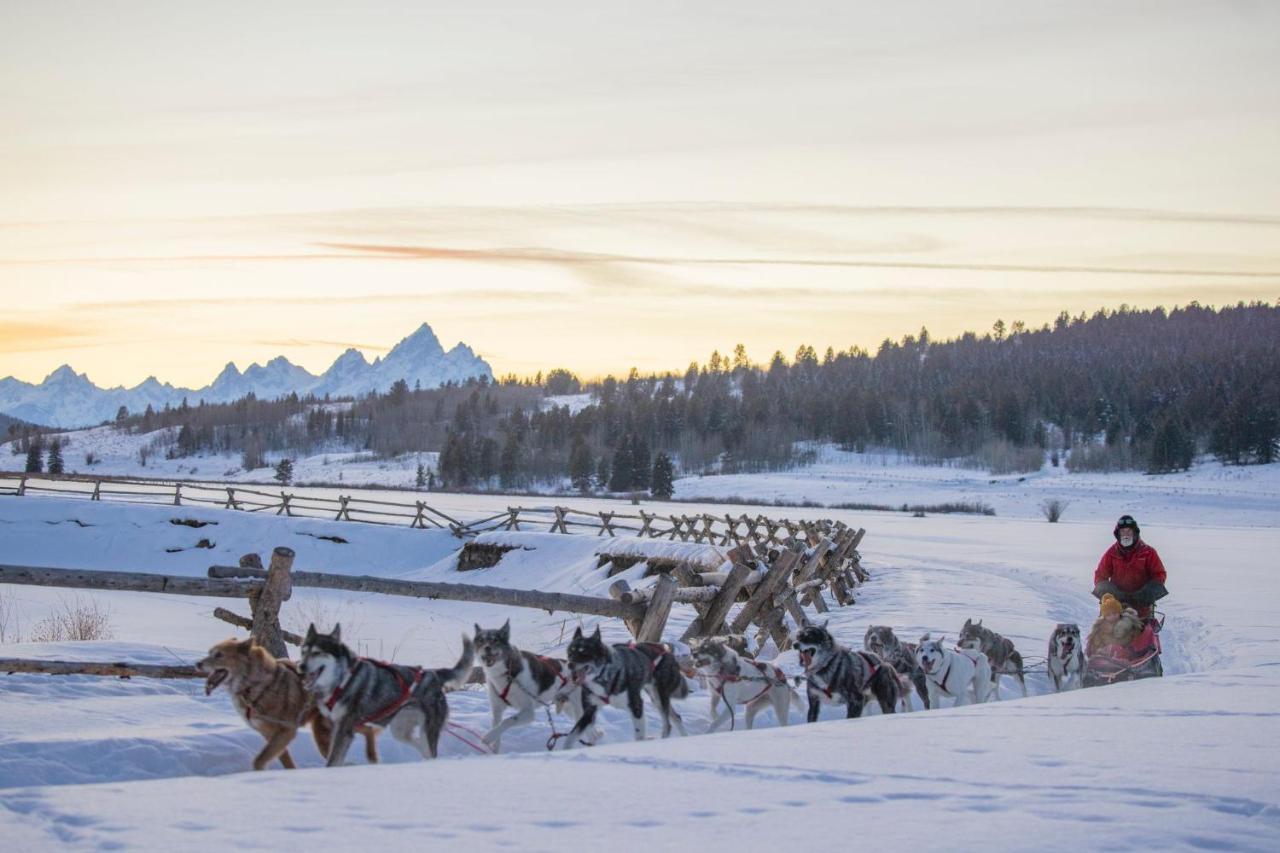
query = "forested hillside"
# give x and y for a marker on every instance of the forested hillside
(1123, 389)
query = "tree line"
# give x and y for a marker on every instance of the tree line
(1118, 389)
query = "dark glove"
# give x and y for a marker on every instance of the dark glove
(1104, 587)
(1149, 593)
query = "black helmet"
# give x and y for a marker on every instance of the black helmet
(1126, 521)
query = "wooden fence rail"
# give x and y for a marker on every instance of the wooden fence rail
(699, 528)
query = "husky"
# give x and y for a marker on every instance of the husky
(522, 681)
(1066, 657)
(880, 640)
(268, 693)
(953, 673)
(738, 680)
(838, 675)
(617, 675)
(999, 650)
(353, 691)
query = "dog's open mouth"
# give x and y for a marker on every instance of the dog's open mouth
(309, 679)
(806, 657)
(215, 678)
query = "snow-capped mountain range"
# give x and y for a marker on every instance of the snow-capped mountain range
(69, 399)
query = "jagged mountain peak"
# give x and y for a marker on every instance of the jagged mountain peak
(70, 399)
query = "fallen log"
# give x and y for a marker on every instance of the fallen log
(117, 670)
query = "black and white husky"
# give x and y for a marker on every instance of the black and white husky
(352, 691)
(617, 675)
(836, 675)
(521, 681)
(957, 673)
(880, 640)
(1066, 657)
(738, 680)
(1004, 658)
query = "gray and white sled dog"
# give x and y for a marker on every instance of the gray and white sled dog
(1066, 657)
(352, 691)
(959, 672)
(836, 675)
(1004, 658)
(739, 680)
(522, 681)
(618, 675)
(880, 640)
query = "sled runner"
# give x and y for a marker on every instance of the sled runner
(1139, 659)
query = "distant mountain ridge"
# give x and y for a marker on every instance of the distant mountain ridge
(69, 399)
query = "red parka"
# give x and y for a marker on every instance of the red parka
(1129, 569)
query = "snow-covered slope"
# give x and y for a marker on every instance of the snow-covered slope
(1188, 762)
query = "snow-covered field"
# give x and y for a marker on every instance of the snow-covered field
(1191, 761)
(1241, 495)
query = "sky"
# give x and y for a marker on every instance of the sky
(607, 185)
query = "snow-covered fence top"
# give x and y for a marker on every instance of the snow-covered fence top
(724, 529)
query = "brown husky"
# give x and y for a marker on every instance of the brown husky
(269, 695)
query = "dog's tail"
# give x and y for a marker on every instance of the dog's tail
(455, 678)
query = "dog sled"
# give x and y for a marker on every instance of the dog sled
(1139, 659)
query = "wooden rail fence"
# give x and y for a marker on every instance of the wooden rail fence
(724, 529)
(770, 588)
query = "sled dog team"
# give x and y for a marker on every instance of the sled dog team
(340, 694)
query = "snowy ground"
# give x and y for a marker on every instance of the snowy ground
(1238, 495)
(1188, 762)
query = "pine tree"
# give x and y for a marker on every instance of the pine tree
(580, 464)
(35, 458)
(509, 464)
(662, 484)
(641, 468)
(620, 481)
(284, 471)
(420, 479)
(602, 472)
(55, 457)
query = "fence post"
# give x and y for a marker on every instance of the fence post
(655, 615)
(605, 527)
(284, 505)
(646, 529)
(231, 503)
(22, 485)
(177, 494)
(97, 491)
(266, 605)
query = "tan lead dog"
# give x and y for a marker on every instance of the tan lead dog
(269, 695)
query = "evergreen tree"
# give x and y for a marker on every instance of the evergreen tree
(623, 469)
(509, 464)
(284, 471)
(602, 472)
(431, 481)
(420, 479)
(641, 468)
(35, 458)
(580, 464)
(55, 457)
(1171, 447)
(662, 483)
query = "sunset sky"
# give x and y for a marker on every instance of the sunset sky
(600, 185)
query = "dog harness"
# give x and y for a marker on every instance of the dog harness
(511, 680)
(869, 660)
(406, 689)
(779, 677)
(942, 685)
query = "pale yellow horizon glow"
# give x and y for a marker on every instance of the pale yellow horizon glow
(187, 185)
